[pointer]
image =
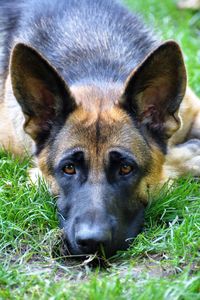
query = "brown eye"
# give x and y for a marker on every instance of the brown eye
(125, 169)
(69, 169)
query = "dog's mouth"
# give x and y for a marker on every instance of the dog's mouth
(101, 251)
(104, 249)
(100, 238)
(103, 241)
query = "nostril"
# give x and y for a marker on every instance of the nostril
(83, 243)
(91, 240)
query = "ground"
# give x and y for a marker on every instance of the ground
(163, 261)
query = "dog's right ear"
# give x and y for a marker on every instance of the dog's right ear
(40, 91)
(155, 90)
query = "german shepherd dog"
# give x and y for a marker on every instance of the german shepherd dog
(104, 106)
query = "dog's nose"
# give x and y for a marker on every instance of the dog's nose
(90, 240)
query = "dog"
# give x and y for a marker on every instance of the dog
(104, 107)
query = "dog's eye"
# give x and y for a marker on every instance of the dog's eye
(125, 169)
(69, 169)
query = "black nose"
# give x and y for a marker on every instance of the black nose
(89, 240)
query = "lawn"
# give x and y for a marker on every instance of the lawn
(163, 261)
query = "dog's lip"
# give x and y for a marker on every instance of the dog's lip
(74, 250)
(109, 251)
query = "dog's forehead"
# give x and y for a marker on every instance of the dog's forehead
(97, 133)
(97, 97)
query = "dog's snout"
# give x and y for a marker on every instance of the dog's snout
(89, 240)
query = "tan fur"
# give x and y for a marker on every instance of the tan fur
(116, 130)
(190, 118)
(151, 183)
(43, 170)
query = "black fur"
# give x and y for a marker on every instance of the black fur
(85, 40)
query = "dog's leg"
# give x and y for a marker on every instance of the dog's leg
(183, 159)
(184, 147)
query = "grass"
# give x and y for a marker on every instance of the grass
(163, 261)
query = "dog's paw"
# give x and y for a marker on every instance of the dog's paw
(35, 176)
(190, 148)
(183, 159)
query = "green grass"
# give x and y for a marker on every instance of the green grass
(163, 261)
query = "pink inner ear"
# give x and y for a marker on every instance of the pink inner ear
(47, 97)
(157, 94)
(40, 93)
(153, 104)
(150, 116)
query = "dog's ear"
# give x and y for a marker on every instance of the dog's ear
(40, 91)
(154, 91)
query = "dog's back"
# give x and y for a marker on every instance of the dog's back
(84, 40)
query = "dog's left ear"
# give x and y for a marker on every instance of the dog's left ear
(154, 91)
(42, 94)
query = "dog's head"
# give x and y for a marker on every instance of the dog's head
(101, 146)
